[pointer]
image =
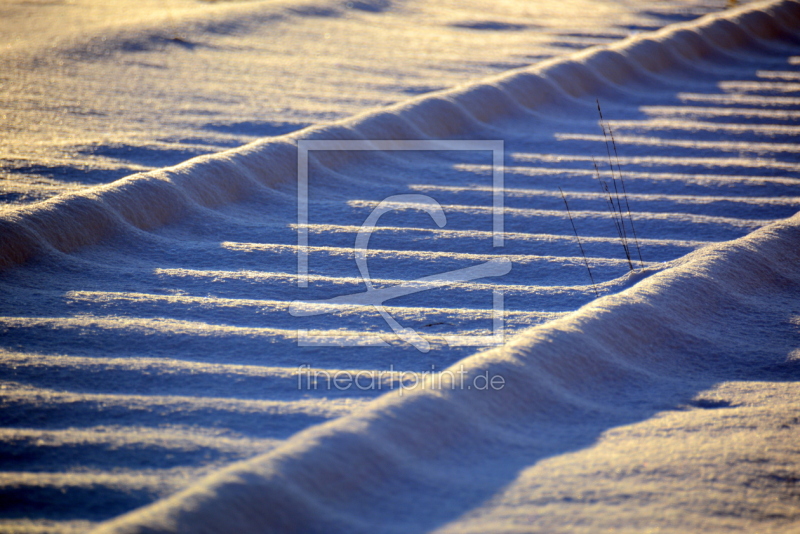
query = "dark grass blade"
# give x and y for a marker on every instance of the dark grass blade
(623, 234)
(625, 194)
(585, 261)
(615, 214)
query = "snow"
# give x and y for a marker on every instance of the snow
(94, 91)
(153, 326)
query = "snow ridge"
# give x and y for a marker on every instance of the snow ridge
(556, 87)
(431, 456)
(412, 462)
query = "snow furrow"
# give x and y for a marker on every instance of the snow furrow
(151, 316)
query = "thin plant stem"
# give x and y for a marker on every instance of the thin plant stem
(585, 261)
(625, 194)
(615, 215)
(618, 208)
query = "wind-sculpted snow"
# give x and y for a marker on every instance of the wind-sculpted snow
(150, 326)
(96, 92)
(555, 87)
(418, 460)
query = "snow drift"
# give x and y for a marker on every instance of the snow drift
(416, 460)
(560, 86)
(423, 459)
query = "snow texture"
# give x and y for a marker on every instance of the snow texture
(147, 339)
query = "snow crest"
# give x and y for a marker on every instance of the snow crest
(411, 461)
(555, 87)
(418, 459)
